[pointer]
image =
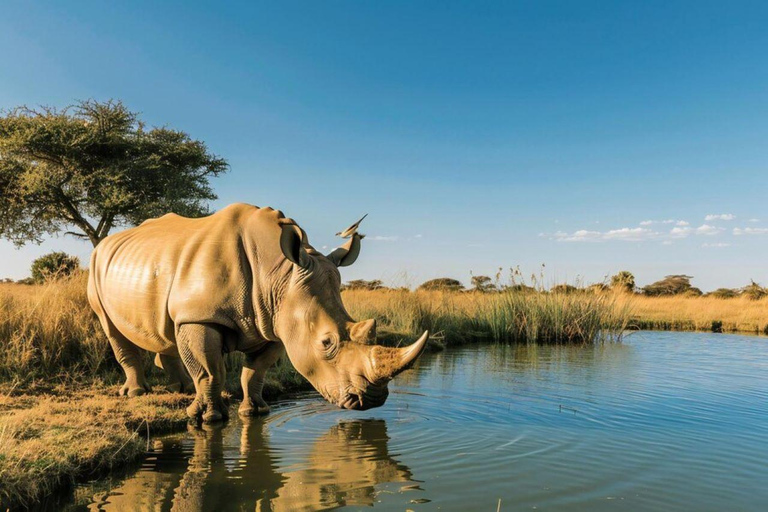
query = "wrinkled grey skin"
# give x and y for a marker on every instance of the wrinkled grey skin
(244, 278)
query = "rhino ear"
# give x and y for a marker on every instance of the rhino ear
(292, 245)
(346, 254)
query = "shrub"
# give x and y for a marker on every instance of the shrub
(724, 293)
(598, 288)
(442, 283)
(671, 285)
(564, 288)
(54, 265)
(623, 281)
(754, 291)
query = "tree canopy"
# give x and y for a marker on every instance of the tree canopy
(623, 281)
(93, 166)
(54, 265)
(483, 284)
(442, 283)
(672, 285)
(362, 284)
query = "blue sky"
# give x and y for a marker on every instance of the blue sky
(477, 135)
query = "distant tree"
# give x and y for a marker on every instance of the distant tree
(598, 288)
(563, 288)
(753, 291)
(92, 166)
(724, 293)
(442, 283)
(362, 284)
(672, 285)
(54, 265)
(623, 281)
(483, 284)
(519, 288)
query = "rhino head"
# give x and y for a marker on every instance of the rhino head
(333, 352)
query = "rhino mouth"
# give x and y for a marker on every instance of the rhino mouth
(373, 396)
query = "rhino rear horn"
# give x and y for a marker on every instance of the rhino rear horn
(346, 254)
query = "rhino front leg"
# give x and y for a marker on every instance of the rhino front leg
(200, 347)
(178, 378)
(127, 354)
(252, 379)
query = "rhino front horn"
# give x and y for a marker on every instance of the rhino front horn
(388, 362)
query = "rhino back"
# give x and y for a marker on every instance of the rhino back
(175, 270)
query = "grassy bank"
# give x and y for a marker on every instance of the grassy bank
(47, 441)
(680, 313)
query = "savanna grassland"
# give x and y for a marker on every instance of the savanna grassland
(60, 418)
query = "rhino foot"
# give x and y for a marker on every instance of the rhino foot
(253, 408)
(207, 412)
(134, 390)
(180, 387)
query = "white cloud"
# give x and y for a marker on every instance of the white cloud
(418, 236)
(753, 220)
(721, 216)
(706, 229)
(720, 244)
(630, 234)
(680, 232)
(682, 229)
(380, 238)
(667, 221)
(750, 231)
(582, 235)
(585, 235)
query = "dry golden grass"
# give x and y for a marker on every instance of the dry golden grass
(47, 441)
(699, 313)
(507, 317)
(49, 331)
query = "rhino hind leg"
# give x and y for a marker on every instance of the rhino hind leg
(127, 354)
(200, 346)
(252, 379)
(179, 380)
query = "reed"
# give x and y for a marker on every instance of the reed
(509, 316)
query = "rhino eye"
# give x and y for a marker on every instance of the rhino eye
(329, 347)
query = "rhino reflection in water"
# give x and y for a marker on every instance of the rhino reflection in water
(247, 279)
(342, 467)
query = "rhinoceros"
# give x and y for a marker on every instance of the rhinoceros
(246, 279)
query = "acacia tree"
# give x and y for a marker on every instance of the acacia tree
(93, 166)
(623, 281)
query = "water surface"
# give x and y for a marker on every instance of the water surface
(664, 421)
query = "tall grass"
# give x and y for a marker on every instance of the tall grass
(708, 313)
(49, 331)
(510, 316)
